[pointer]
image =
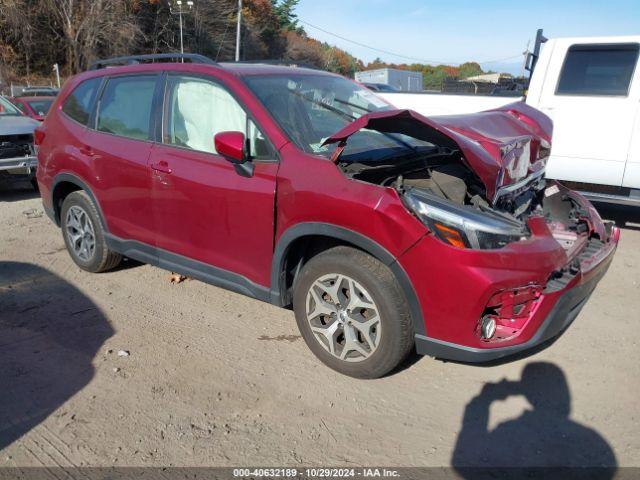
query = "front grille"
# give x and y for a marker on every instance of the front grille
(16, 145)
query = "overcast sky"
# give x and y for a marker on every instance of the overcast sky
(456, 31)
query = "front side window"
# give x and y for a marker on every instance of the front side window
(125, 107)
(79, 103)
(198, 109)
(598, 70)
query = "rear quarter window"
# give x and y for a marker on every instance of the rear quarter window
(598, 70)
(79, 103)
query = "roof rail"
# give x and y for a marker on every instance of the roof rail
(275, 62)
(135, 59)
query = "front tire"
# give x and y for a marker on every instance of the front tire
(352, 313)
(84, 235)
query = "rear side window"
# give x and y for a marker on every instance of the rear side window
(125, 106)
(78, 104)
(598, 69)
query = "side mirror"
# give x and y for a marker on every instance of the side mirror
(231, 145)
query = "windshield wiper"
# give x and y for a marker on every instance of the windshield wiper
(350, 117)
(324, 105)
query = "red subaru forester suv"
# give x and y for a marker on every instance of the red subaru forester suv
(381, 228)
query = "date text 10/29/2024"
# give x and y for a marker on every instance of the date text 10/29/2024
(315, 472)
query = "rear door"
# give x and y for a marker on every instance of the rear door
(118, 149)
(204, 210)
(593, 107)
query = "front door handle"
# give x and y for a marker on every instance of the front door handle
(161, 166)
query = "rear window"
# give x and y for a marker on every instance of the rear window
(78, 104)
(598, 69)
(125, 106)
(40, 107)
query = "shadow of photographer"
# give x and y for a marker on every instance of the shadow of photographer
(542, 437)
(50, 333)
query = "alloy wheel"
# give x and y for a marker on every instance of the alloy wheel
(343, 317)
(80, 233)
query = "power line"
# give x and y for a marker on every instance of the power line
(394, 54)
(502, 59)
(368, 46)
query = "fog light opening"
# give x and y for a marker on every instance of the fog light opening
(487, 327)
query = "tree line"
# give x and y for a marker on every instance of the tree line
(35, 34)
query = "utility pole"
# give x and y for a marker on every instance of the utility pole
(56, 69)
(179, 13)
(238, 30)
(181, 40)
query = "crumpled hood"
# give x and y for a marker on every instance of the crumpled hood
(16, 125)
(501, 146)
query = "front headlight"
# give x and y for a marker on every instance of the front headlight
(463, 226)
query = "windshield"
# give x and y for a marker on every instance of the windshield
(40, 107)
(310, 108)
(7, 108)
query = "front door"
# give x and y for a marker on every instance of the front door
(208, 217)
(593, 109)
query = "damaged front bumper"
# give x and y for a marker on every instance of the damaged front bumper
(555, 293)
(19, 165)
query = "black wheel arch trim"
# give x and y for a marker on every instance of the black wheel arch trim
(71, 178)
(361, 241)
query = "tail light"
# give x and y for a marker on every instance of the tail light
(38, 135)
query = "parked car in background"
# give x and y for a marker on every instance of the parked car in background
(381, 228)
(38, 92)
(34, 107)
(17, 154)
(590, 88)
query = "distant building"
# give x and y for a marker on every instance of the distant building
(402, 80)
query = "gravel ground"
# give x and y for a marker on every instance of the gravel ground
(217, 379)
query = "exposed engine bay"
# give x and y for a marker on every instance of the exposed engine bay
(477, 180)
(444, 174)
(441, 179)
(12, 146)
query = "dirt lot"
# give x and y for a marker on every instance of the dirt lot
(217, 379)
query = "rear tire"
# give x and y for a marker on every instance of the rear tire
(352, 313)
(84, 235)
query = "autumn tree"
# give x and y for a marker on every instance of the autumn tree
(35, 34)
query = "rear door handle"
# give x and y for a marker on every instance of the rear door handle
(161, 166)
